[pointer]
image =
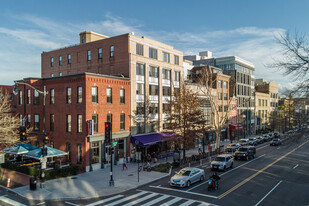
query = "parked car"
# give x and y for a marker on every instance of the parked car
(245, 152)
(252, 141)
(271, 136)
(259, 140)
(275, 142)
(243, 142)
(276, 135)
(187, 176)
(266, 137)
(222, 162)
(232, 147)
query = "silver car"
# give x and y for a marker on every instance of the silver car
(187, 176)
(222, 162)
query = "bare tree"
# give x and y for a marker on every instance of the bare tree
(9, 122)
(185, 118)
(295, 59)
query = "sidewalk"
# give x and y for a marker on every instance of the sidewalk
(96, 183)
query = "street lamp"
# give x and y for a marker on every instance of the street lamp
(44, 92)
(244, 117)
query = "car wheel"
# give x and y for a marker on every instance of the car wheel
(247, 157)
(188, 183)
(232, 165)
(202, 178)
(224, 168)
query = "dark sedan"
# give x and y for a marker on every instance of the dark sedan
(275, 142)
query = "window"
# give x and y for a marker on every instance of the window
(51, 61)
(69, 95)
(20, 99)
(140, 109)
(139, 89)
(95, 123)
(166, 74)
(153, 90)
(177, 76)
(79, 153)
(166, 108)
(95, 149)
(51, 75)
(69, 121)
(109, 118)
(176, 59)
(36, 122)
(51, 122)
(140, 69)
(52, 96)
(69, 58)
(60, 60)
(100, 53)
(60, 74)
(28, 96)
(225, 96)
(259, 102)
(68, 150)
(122, 121)
(166, 57)
(153, 53)
(89, 55)
(225, 85)
(122, 96)
(28, 120)
(109, 95)
(153, 108)
(79, 123)
(83, 39)
(79, 95)
(111, 51)
(225, 108)
(220, 96)
(94, 92)
(219, 84)
(166, 91)
(139, 49)
(266, 103)
(220, 108)
(153, 72)
(36, 99)
(51, 144)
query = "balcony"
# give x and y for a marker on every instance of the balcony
(176, 84)
(166, 99)
(140, 79)
(166, 82)
(140, 117)
(153, 80)
(153, 98)
(140, 98)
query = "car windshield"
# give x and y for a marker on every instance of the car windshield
(242, 149)
(184, 172)
(220, 159)
(251, 139)
(242, 140)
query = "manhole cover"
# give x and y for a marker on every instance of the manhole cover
(73, 178)
(130, 175)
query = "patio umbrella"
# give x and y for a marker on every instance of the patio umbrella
(51, 152)
(20, 148)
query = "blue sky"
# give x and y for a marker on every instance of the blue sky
(242, 28)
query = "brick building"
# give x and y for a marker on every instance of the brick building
(71, 101)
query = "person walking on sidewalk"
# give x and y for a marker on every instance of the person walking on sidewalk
(124, 165)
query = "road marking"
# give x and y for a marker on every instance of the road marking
(105, 200)
(41, 203)
(295, 166)
(163, 197)
(261, 147)
(159, 185)
(259, 172)
(227, 172)
(141, 199)
(70, 203)
(187, 203)
(193, 193)
(268, 193)
(176, 199)
(10, 201)
(127, 198)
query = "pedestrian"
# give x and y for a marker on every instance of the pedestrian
(148, 158)
(124, 165)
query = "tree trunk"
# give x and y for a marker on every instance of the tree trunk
(184, 153)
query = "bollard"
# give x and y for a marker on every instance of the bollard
(8, 184)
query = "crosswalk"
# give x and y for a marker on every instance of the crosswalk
(147, 198)
(8, 201)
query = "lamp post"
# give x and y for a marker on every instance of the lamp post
(44, 92)
(244, 117)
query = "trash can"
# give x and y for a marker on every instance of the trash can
(33, 181)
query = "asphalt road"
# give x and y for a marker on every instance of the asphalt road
(279, 175)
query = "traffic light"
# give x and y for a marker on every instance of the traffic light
(44, 151)
(108, 132)
(22, 133)
(45, 138)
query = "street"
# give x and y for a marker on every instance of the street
(278, 175)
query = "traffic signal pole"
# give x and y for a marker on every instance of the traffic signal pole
(108, 141)
(111, 181)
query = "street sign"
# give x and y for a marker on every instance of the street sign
(114, 144)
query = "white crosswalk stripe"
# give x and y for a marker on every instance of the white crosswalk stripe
(147, 198)
(10, 201)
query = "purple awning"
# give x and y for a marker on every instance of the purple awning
(150, 139)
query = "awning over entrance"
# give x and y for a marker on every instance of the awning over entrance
(151, 139)
(235, 127)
